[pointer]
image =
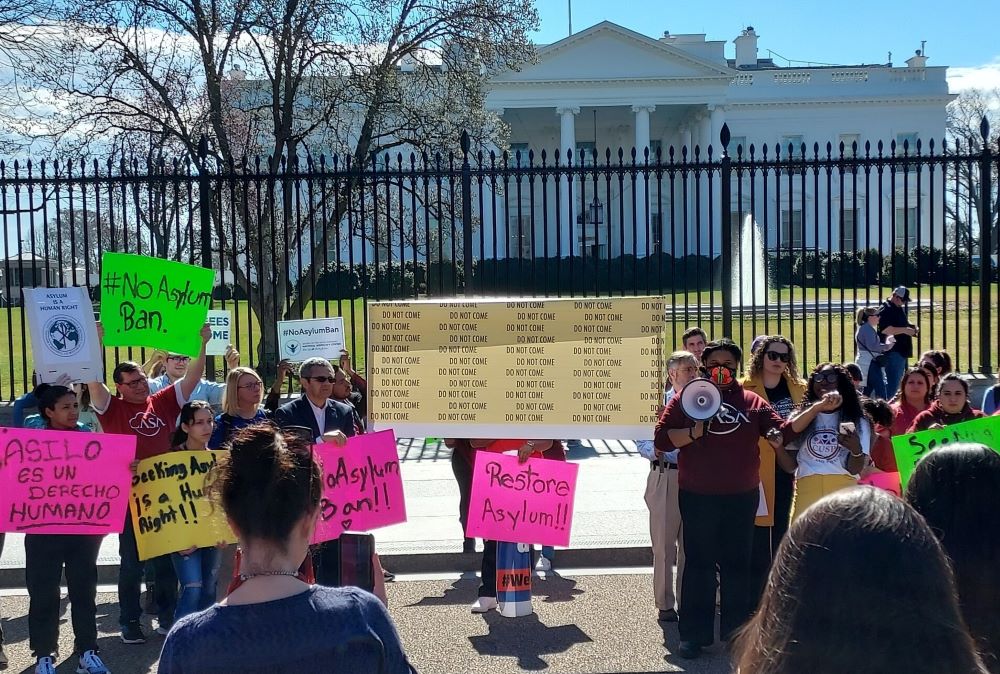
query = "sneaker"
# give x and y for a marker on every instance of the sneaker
(3, 658)
(132, 634)
(45, 665)
(484, 605)
(388, 576)
(543, 564)
(163, 630)
(91, 664)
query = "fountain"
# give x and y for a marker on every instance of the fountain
(749, 284)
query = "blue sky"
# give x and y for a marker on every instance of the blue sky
(958, 32)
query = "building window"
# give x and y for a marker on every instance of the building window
(583, 155)
(848, 223)
(792, 229)
(520, 236)
(737, 142)
(519, 161)
(849, 140)
(906, 227)
(909, 139)
(656, 228)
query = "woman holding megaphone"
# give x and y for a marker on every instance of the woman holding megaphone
(718, 478)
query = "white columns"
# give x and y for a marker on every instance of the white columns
(685, 244)
(703, 226)
(560, 245)
(641, 196)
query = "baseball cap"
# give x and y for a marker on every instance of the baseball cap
(903, 293)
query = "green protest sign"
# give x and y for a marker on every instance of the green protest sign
(910, 448)
(146, 301)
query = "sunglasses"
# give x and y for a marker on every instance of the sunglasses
(325, 380)
(775, 355)
(830, 377)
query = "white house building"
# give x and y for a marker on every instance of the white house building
(608, 86)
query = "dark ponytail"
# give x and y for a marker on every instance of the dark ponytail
(268, 482)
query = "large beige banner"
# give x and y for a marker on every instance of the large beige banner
(531, 368)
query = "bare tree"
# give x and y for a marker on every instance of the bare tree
(283, 79)
(965, 119)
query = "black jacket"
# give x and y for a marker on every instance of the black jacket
(339, 416)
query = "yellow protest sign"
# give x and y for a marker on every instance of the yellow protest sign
(538, 368)
(170, 509)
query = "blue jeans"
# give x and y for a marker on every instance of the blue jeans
(894, 367)
(875, 382)
(198, 574)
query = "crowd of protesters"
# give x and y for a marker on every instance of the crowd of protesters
(756, 509)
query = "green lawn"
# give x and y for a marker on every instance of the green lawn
(953, 324)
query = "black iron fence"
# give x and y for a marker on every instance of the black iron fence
(746, 241)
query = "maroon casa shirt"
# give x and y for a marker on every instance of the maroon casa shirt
(726, 460)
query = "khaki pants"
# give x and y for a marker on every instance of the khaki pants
(665, 534)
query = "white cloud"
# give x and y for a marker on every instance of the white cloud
(986, 76)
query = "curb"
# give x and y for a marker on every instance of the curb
(415, 563)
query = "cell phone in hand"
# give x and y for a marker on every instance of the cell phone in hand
(847, 428)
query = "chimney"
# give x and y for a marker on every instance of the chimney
(746, 48)
(918, 60)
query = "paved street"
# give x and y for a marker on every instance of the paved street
(583, 623)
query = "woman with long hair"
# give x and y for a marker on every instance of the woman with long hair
(955, 489)
(833, 437)
(241, 405)
(197, 569)
(914, 396)
(952, 406)
(47, 554)
(269, 488)
(773, 374)
(860, 585)
(870, 351)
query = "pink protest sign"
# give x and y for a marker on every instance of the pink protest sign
(887, 481)
(521, 502)
(362, 487)
(64, 482)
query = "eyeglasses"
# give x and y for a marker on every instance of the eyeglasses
(253, 385)
(829, 376)
(182, 359)
(777, 355)
(134, 383)
(326, 380)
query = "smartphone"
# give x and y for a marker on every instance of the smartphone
(847, 428)
(348, 561)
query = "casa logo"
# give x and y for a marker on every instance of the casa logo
(823, 444)
(727, 420)
(146, 424)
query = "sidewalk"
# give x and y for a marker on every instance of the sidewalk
(582, 624)
(610, 522)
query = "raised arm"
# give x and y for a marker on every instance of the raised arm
(197, 368)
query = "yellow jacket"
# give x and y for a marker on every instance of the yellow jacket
(797, 389)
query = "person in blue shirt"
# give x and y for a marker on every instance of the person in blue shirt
(269, 488)
(175, 366)
(661, 499)
(26, 402)
(241, 403)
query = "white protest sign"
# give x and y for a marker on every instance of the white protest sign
(63, 334)
(221, 323)
(311, 338)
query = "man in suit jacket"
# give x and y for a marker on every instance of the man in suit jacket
(329, 419)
